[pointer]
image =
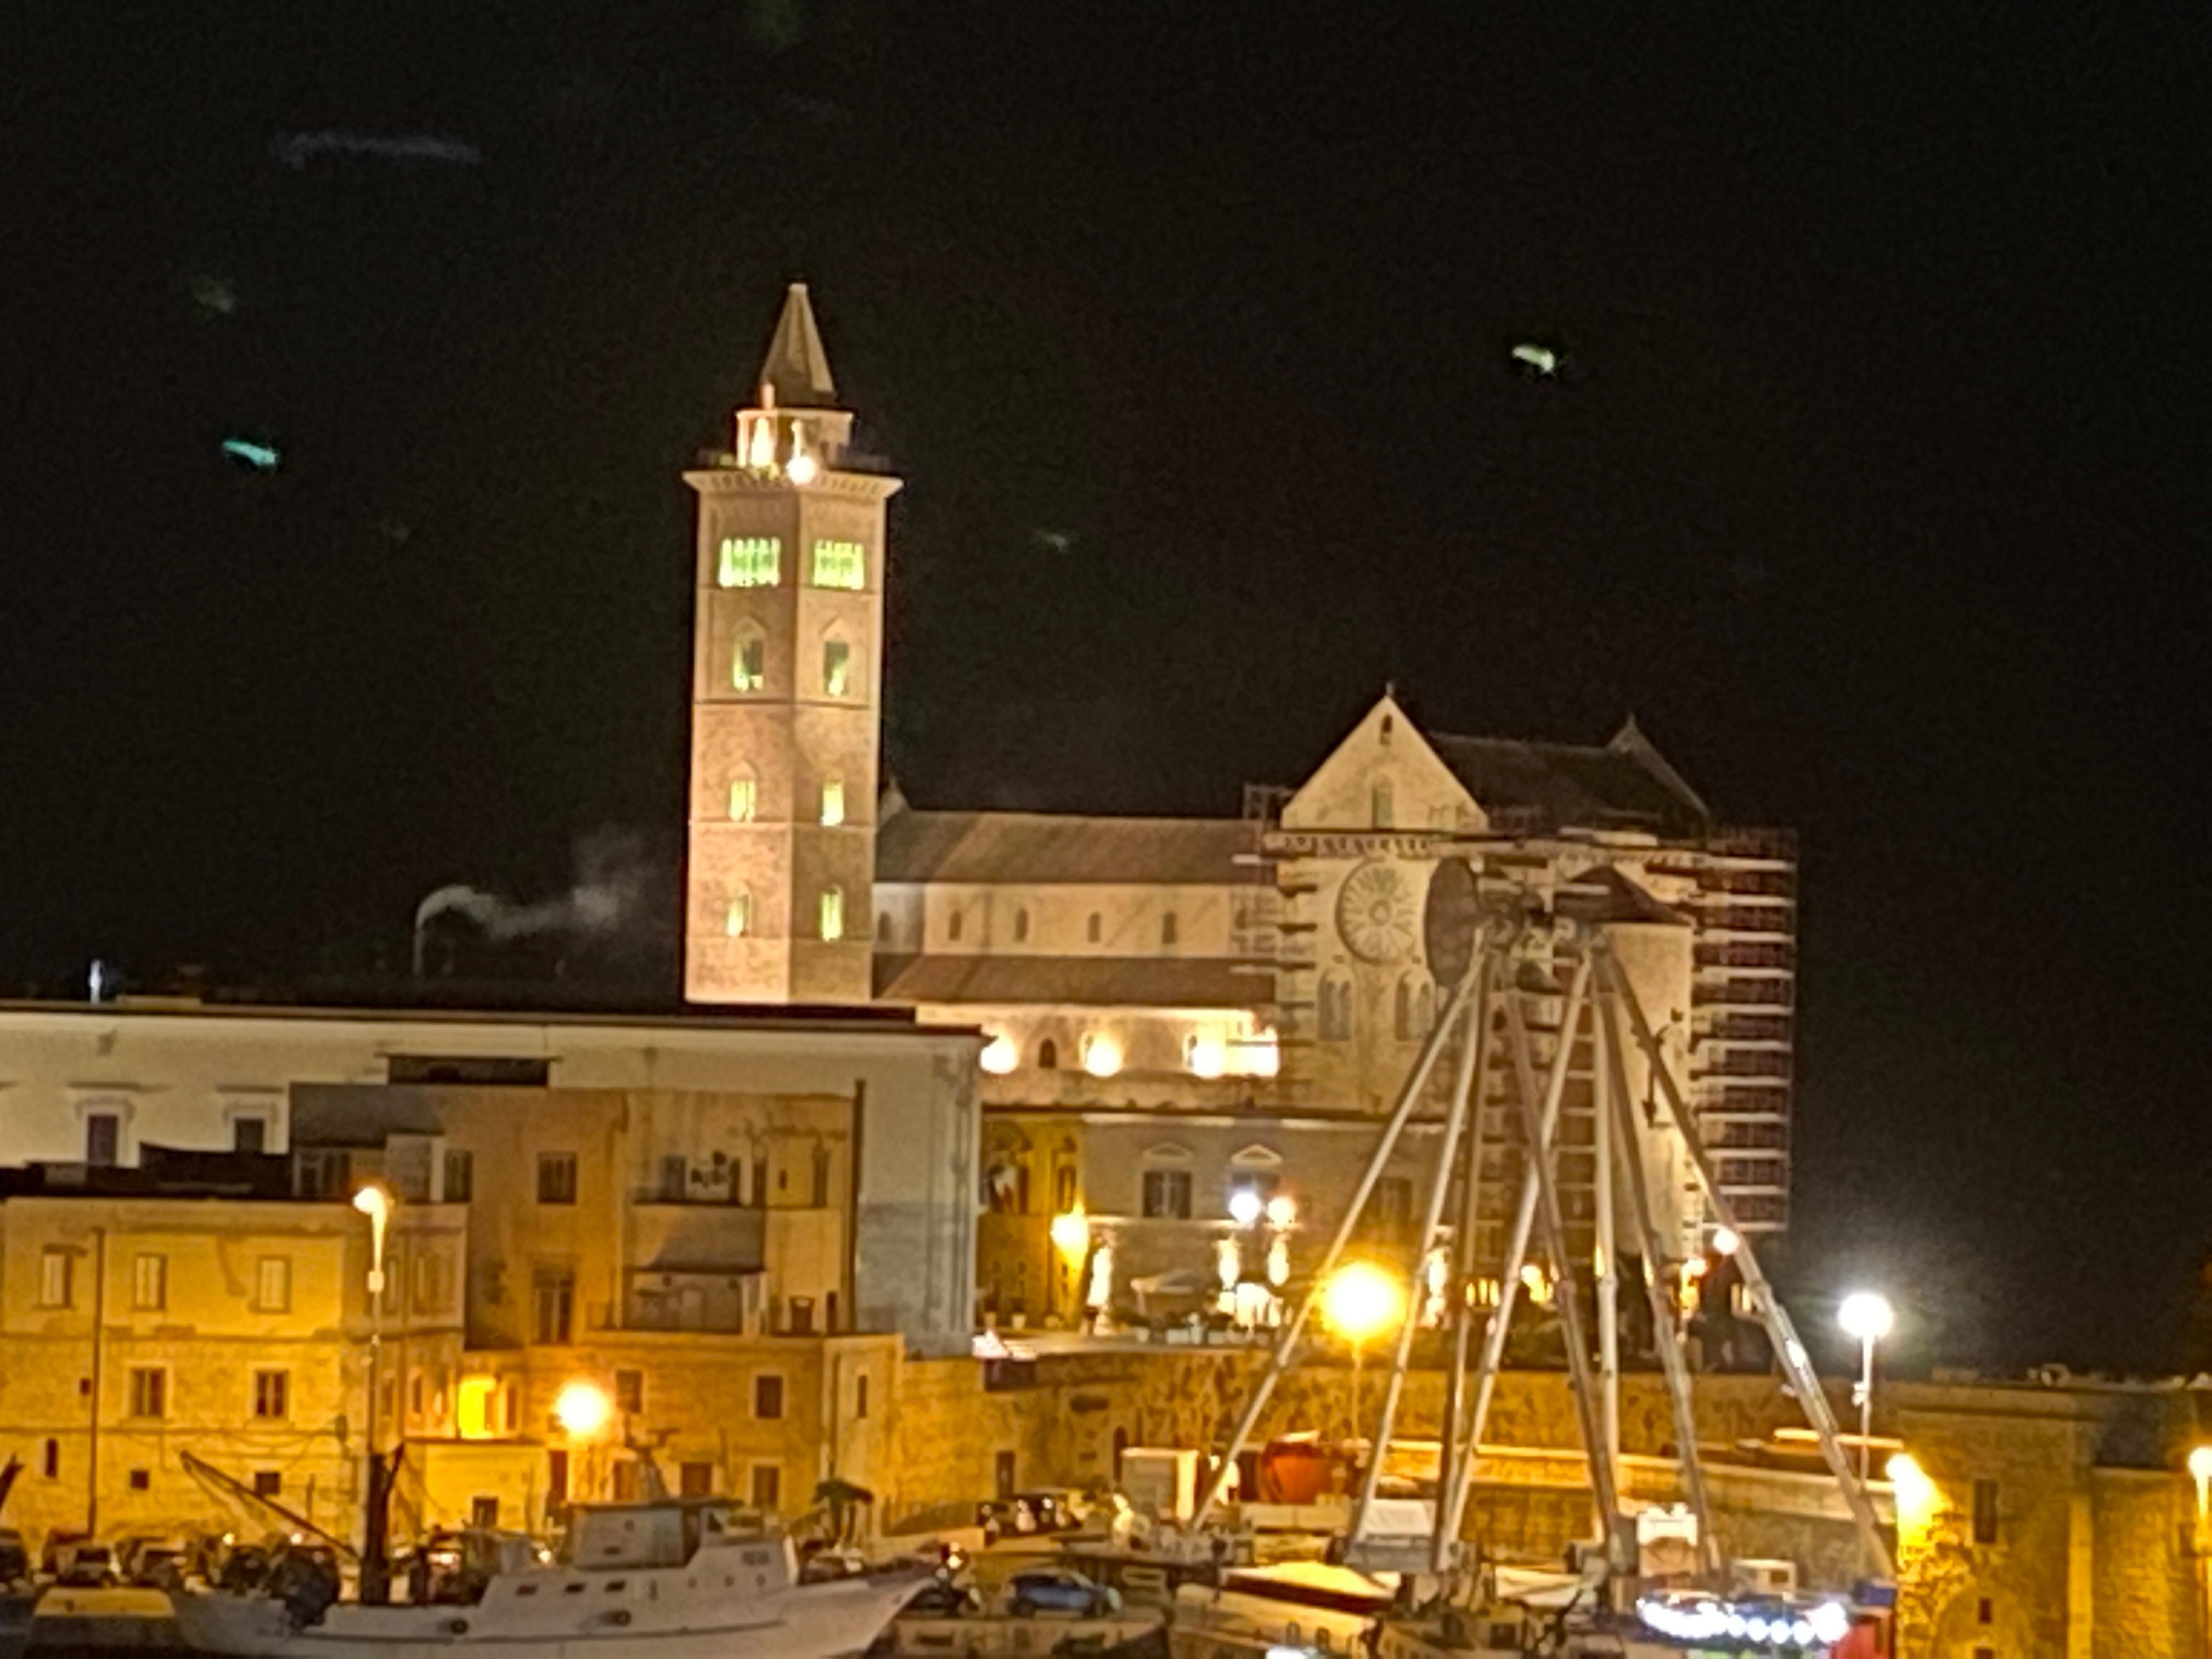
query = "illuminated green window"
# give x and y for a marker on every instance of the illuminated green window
(839, 564)
(752, 561)
(833, 913)
(737, 915)
(745, 799)
(833, 800)
(749, 663)
(837, 669)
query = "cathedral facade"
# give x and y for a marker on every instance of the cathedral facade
(1177, 1009)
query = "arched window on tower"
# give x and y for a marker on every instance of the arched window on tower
(1095, 929)
(837, 668)
(1335, 1008)
(1168, 928)
(738, 914)
(833, 913)
(1385, 811)
(750, 562)
(1415, 1007)
(744, 796)
(882, 928)
(748, 659)
(1021, 927)
(1047, 1055)
(839, 564)
(833, 801)
(953, 925)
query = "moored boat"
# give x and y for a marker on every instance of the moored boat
(676, 1579)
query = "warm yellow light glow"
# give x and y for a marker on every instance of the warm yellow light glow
(374, 1202)
(473, 1403)
(999, 1055)
(2200, 1463)
(1282, 1210)
(582, 1409)
(1071, 1237)
(1244, 1206)
(1278, 1261)
(1695, 1269)
(1102, 1054)
(801, 470)
(1867, 1316)
(1534, 1281)
(1209, 1055)
(1262, 1055)
(833, 802)
(1725, 1242)
(1361, 1300)
(1916, 1492)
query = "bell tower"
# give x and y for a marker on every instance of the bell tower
(786, 679)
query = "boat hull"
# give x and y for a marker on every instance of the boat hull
(809, 1621)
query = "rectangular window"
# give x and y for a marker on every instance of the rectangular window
(324, 1174)
(484, 1514)
(630, 1391)
(556, 1178)
(737, 915)
(56, 1269)
(556, 1477)
(272, 1285)
(768, 1487)
(859, 1397)
(50, 1463)
(268, 1483)
(1985, 1511)
(149, 1391)
(839, 564)
(1393, 1201)
(625, 1482)
(249, 1134)
(272, 1396)
(1167, 1193)
(833, 913)
(555, 1307)
(429, 1284)
(749, 664)
(837, 669)
(695, 1480)
(460, 1176)
(1063, 1189)
(833, 801)
(103, 1140)
(149, 1284)
(768, 1398)
(745, 799)
(751, 561)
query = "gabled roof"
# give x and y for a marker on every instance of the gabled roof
(1623, 785)
(1041, 847)
(796, 365)
(1083, 981)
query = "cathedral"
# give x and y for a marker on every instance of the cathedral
(1176, 1009)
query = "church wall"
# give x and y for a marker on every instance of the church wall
(1130, 918)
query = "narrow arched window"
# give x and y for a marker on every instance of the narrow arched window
(1402, 1008)
(833, 913)
(1385, 812)
(952, 926)
(833, 801)
(1095, 929)
(1047, 1055)
(1335, 1008)
(747, 660)
(738, 914)
(1168, 928)
(1021, 927)
(882, 928)
(745, 798)
(837, 669)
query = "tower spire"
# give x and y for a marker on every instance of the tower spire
(796, 370)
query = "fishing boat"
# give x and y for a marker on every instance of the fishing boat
(669, 1579)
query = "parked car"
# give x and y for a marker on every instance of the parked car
(14, 1558)
(1060, 1591)
(946, 1596)
(79, 1562)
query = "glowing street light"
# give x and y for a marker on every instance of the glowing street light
(1282, 1210)
(1362, 1301)
(582, 1409)
(1725, 1242)
(1867, 1316)
(375, 1200)
(1245, 1205)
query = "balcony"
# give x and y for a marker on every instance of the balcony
(716, 1237)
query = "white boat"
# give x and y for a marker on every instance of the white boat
(669, 1579)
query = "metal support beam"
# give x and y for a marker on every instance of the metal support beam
(1285, 1345)
(1608, 1273)
(1796, 1363)
(1465, 1264)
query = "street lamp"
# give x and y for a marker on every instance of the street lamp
(1867, 1316)
(375, 1200)
(1359, 1302)
(583, 1410)
(2200, 1471)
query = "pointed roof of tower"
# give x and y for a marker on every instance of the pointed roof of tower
(796, 365)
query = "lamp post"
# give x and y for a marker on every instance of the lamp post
(1362, 1301)
(1868, 1316)
(2200, 1471)
(374, 1201)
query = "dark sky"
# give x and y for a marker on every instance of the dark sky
(1871, 485)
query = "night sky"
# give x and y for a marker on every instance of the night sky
(1869, 483)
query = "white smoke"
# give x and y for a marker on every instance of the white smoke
(610, 893)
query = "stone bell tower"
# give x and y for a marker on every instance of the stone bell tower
(786, 679)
